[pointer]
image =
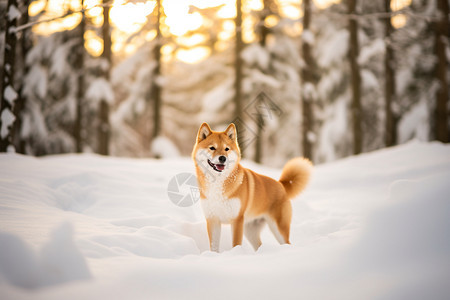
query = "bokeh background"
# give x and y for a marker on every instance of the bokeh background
(320, 78)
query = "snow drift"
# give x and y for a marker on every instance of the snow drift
(373, 226)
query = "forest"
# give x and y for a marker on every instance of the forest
(324, 79)
(100, 105)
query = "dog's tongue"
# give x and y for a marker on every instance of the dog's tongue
(220, 167)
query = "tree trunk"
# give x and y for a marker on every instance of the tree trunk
(156, 89)
(260, 129)
(389, 86)
(238, 75)
(442, 96)
(25, 45)
(263, 32)
(355, 78)
(307, 81)
(106, 34)
(8, 93)
(104, 129)
(80, 89)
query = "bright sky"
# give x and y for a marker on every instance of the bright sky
(179, 20)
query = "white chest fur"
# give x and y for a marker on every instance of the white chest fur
(217, 206)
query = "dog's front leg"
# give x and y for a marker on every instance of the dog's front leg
(237, 227)
(214, 227)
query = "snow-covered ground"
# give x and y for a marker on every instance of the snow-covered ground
(376, 226)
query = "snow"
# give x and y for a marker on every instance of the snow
(333, 131)
(10, 95)
(309, 91)
(164, 148)
(403, 77)
(336, 48)
(255, 78)
(257, 55)
(10, 149)
(369, 79)
(216, 99)
(327, 83)
(414, 124)
(58, 261)
(100, 90)
(374, 226)
(7, 119)
(59, 64)
(13, 13)
(37, 78)
(12, 30)
(374, 48)
(308, 37)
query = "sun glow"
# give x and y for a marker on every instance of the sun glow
(130, 17)
(93, 43)
(399, 20)
(322, 4)
(180, 20)
(193, 55)
(54, 9)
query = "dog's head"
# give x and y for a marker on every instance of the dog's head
(216, 152)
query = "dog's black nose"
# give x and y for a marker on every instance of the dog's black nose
(222, 159)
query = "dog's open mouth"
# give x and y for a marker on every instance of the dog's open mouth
(216, 167)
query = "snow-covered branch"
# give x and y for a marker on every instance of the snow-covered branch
(384, 15)
(69, 13)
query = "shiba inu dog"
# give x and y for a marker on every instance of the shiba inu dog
(232, 194)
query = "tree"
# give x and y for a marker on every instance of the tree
(239, 45)
(25, 41)
(416, 84)
(263, 32)
(271, 76)
(156, 88)
(442, 94)
(355, 78)
(137, 82)
(333, 119)
(104, 128)
(389, 87)
(308, 84)
(78, 130)
(9, 93)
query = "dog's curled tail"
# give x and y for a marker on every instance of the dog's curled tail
(295, 176)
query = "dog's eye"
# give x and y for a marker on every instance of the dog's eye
(212, 148)
(226, 149)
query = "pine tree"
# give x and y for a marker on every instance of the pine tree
(334, 95)
(416, 84)
(372, 63)
(52, 93)
(308, 83)
(137, 82)
(271, 87)
(263, 32)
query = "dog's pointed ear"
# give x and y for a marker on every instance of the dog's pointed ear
(203, 132)
(231, 131)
